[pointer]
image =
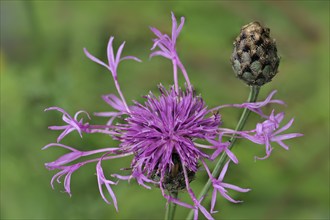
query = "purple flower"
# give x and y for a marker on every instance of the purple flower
(72, 156)
(197, 203)
(72, 123)
(219, 147)
(67, 172)
(167, 46)
(165, 126)
(138, 175)
(101, 180)
(67, 169)
(113, 62)
(162, 130)
(269, 131)
(220, 186)
(114, 102)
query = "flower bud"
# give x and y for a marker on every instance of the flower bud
(254, 59)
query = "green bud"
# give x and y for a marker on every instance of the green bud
(254, 59)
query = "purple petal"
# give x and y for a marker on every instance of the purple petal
(102, 180)
(79, 112)
(62, 127)
(111, 57)
(114, 102)
(156, 42)
(224, 170)
(178, 202)
(174, 26)
(160, 53)
(156, 32)
(57, 176)
(279, 117)
(66, 158)
(231, 156)
(286, 147)
(67, 182)
(96, 60)
(63, 134)
(196, 214)
(268, 152)
(285, 127)
(204, 146)
(216, 153)
(236, 188)
(130, 58)
(119, 51)
(213, 200)
(267, 101)
(58, 145)
(180, 26)
(205, 212)
(65, 114)
(121, 177)
(286, 136)
(255, 139)
(107, 114)
(226, 196)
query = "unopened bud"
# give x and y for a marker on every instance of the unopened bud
(254, 59)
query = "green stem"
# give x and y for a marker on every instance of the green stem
(254, 91)
(170, 208)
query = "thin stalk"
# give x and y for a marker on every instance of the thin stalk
(254, 91)
(170, 208)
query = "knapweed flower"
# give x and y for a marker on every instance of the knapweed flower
(166, 135)
(165, 126)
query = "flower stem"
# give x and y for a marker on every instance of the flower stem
(170, 207)
(254, 91)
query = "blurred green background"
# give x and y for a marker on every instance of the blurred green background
(42, 65)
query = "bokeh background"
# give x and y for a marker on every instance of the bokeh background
(42, 65)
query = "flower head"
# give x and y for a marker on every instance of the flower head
(163, 129)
